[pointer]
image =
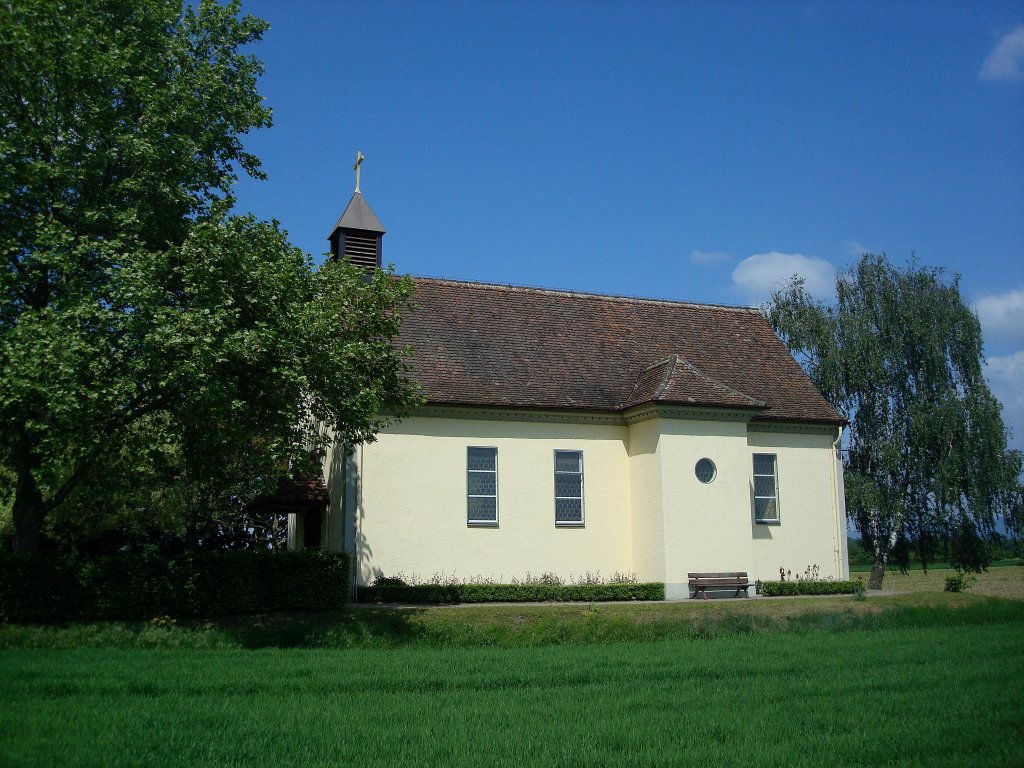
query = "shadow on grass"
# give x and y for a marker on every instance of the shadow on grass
(349, 628)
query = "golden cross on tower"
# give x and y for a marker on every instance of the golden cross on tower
(359, 161)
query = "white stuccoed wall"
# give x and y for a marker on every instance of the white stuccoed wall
(812, 530)
(646, 501)
(707, 526)
(414, 477)
(645, 510)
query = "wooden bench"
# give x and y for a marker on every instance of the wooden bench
(701, 582)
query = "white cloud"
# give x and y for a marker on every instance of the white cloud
(1002, 317)
(1004, 375)
(758, 275)
(1006, 61)
(708, 257)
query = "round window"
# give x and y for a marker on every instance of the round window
(705, 470)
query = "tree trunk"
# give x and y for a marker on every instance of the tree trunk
(882, 547)
(877, 573)
(28, 513)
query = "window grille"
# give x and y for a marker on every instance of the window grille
(482, 486)
(569, 488)
(766, 488)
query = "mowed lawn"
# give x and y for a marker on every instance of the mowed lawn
(913, 680)
(1003, 581)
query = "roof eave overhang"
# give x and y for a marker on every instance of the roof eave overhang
(698, 411)
(752, 415)
(792, 426)
(614, 417)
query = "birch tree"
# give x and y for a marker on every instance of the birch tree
(899, 353)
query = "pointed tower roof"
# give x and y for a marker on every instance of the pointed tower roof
(356, 238)
(358, 215)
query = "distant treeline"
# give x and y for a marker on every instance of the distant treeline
(1001, 548)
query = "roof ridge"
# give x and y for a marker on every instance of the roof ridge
(640, 377)
(718, 382)
(585, 294)
(673, 361)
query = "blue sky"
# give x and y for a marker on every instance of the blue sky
(692, 151)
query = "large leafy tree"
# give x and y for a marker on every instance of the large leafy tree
(900, 354)
(133, 305)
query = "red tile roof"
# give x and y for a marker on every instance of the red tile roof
(675, 380)
(510, 346)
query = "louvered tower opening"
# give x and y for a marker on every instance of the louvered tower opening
(361, 250)
(356, 237)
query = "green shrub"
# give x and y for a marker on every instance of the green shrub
(778, 588)
(810, 587)
(134, 586)
(389, 592)
(959, 582)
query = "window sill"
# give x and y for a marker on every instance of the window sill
(571, 525)
(481, 524)
(767, 522)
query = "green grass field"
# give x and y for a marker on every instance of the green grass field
(946, 696)
(926, 678)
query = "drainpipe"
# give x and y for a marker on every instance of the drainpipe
(837, 558)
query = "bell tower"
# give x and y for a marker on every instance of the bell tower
(357, 235)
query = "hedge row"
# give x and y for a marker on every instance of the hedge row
(508, 593)
(140, 586)
(809, 587)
